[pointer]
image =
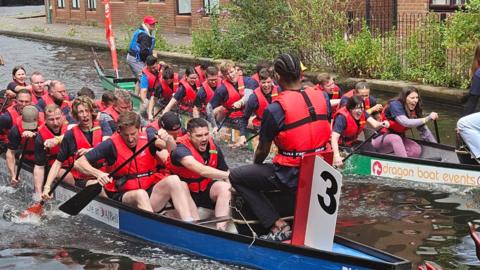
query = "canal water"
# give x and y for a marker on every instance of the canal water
(415, 221)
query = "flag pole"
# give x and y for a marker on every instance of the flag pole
(110, 36)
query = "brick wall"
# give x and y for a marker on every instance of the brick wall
(413, 6)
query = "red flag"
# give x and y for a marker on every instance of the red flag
(110, 36)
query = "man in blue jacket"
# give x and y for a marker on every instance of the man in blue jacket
(141, 45)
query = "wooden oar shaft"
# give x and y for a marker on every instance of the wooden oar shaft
(22, 158)
(437, 134)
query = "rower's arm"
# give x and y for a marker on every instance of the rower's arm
(83, 166)
(334, 143)
(38, 173)
(10, 157)
(374, 123)
(262, 151)
(54, 169)
(334, 102)
(170, 105)
(143, 94)
(192, 164)
(151, 104)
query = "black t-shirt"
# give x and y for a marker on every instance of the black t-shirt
(14, 138)
(6, 121)
(221, 94)
(182, 92)
(182, 151)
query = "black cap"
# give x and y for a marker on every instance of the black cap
(170, 121)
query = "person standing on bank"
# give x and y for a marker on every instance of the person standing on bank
(296, 111)
(141, 45)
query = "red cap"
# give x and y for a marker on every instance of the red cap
(149, 20)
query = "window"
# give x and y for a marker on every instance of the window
(446, 5)
(75, 4)
(210, 6)
(91, 4)
(60, 3)
(184, 7)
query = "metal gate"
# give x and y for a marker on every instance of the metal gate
(381, 15)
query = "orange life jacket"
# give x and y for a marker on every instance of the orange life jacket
(52, 153)
(352, 130)
(167, 91)
(262, 103)
(196, 182)
(82, 142)
(139, 173)
(306, 130)
(234, 96)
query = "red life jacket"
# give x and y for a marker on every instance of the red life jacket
(196, 182)
(14, 115)
(263, 103)
(52, 153)
(82, 142)
(34, 97)
(394, 127)
(186, 104)
(48, 100)
(30, 147)
(153, 80)
(201, 75)
(352, 130)
(113, 113)
(139, 173)
(234, 96)
(305, 115)
(167, 92)
(366, 101)
(335, 91)
(256, 78)
(100, 106)
(209, 91)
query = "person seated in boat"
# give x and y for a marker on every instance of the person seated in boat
(122, 102)
(469, 129)
(348, 122)
(150, 79)
(262, 64)
(170, 122)
(47, 147)
(201, 77)
(199, 162)
(264, 95)
(206, 91)
(106, 101)
(370, 102)
(77, 141)
(22, 138)
(296, 130)
(402, 114)
(326, 83)
(9, 118)
(168, 86)
(57, 94)
(38, 85)
(86, 91)
(231, 96)
(137, 184)
(19, 81)
(186, 92)
(141, 45)
(471, 100)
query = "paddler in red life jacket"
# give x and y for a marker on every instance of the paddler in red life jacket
(206, 91)
(22, 136)
(122, 102)
(186, 92)
(150, 79)
(298, 124)
(170, 122)
(404, 113)
(265, 94)
(348, 122)
(199, 162)
(19, 81)
(137, 184)
(57, 94)
(370, 102)
(201, 77)
(9, 118)
(77, 141)
(169, 84)
(261, 65)
(38, 85)
(47, 146)
(106, 101)
(326, 83)
(231, 96)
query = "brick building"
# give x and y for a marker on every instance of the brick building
(181, 16)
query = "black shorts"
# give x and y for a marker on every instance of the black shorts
(202, 198)
(118, 196)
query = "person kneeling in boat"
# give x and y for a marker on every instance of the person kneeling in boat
(404, 113)
(77, 141)
(298, 124)
(264, 95)
(197, 160)
(348, 122)
(186, 92)
(22, 138)
(137, 184)
(47, 146)
(122, 102)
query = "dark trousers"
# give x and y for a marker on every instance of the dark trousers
(249, 181)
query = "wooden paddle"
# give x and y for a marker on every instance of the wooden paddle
(436, 130)
(75, 204)
(37, 208)
(360, 145)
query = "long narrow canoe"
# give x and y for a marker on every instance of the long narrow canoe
(202, 240)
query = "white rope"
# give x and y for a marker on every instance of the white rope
(254, 234)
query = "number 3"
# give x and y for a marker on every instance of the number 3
(331, 191)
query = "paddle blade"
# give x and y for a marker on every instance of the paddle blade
(75, 204)
(35, 209)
